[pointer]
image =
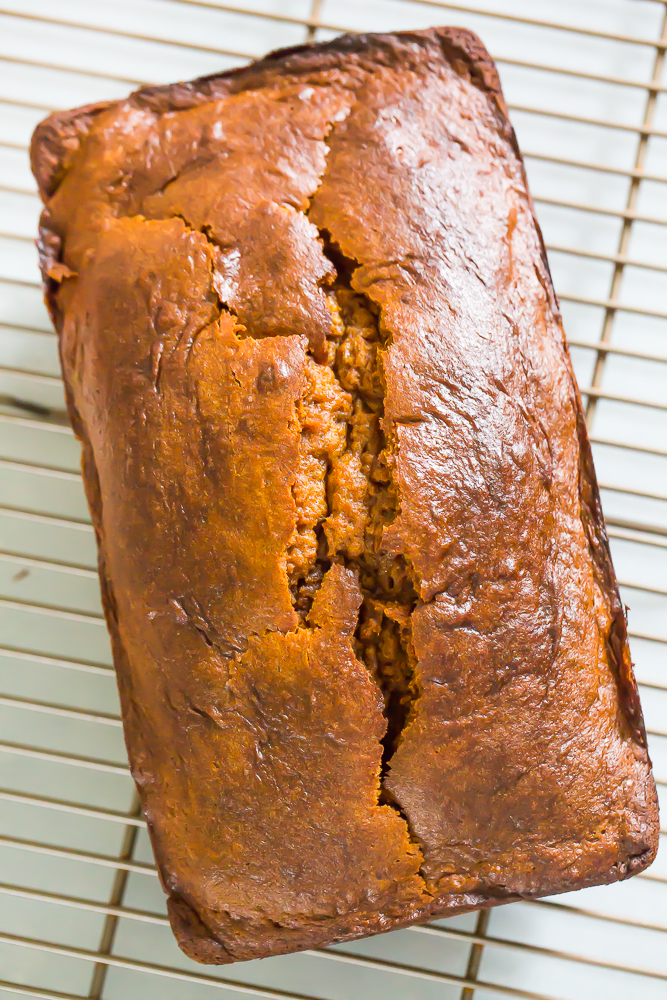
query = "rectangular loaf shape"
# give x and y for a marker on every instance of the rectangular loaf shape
(370, 649)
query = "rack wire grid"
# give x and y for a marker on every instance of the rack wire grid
(81, 910)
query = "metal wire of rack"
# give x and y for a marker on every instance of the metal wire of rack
(81, 911)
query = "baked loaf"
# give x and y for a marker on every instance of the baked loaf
(370, 649)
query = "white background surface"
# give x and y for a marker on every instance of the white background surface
(50, 609)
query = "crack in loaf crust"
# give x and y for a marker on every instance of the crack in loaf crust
(371, 654)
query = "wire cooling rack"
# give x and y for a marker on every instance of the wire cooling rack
(81, 911)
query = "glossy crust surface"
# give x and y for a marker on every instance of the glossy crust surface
(370, 649)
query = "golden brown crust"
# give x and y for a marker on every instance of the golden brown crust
(371, 654)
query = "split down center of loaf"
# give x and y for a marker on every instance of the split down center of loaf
(345, 496)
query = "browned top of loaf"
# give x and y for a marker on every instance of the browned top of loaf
(344, 495)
